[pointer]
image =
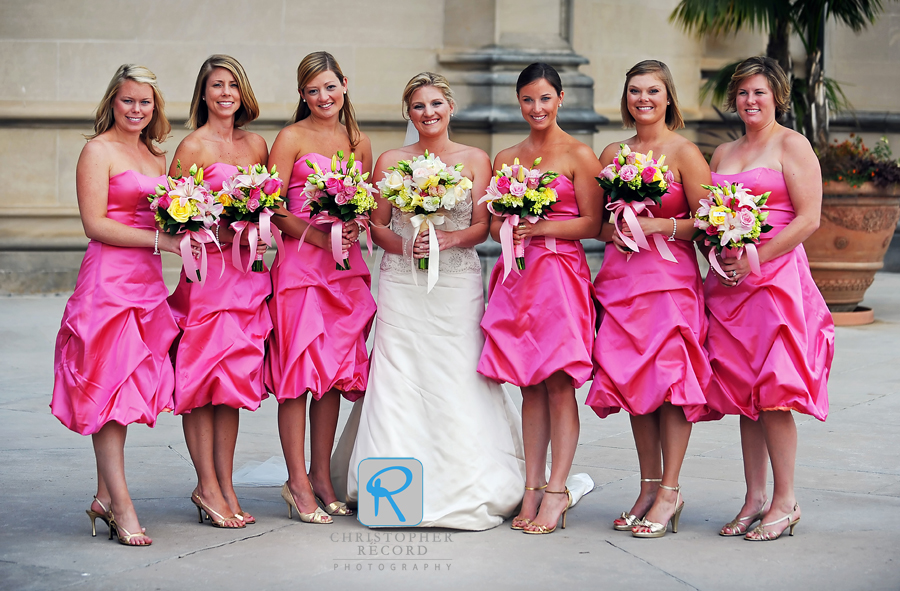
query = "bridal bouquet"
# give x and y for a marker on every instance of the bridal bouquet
(731, 219)
(422, 186)
(337, 196)
(633, 182)
(250, 197)
(185, 205)
(517, 192)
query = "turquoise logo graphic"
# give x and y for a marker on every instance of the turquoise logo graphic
(390, 492)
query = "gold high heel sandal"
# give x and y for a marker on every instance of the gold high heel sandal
(658, 530)
(519, 523)
(218, 520)
(761, 534)
(126, 539)
(338, 508)
(543, 529)
(244, 516)
(629, 520)
(317, 516)
(94, 516)
(739, 525)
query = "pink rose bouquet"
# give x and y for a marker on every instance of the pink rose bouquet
(518, 192)
(730, 219)
(250, 198)
(337, 196)
(185, 206)
(633, 182)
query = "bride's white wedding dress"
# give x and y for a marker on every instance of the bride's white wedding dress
(425, 400)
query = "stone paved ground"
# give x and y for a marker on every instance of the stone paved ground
(848, 483)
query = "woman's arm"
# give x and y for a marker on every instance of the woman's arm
(92, 188)
(607, 233)
(380, 228)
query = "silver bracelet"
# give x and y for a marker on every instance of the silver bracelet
(674, 229)
(156, 243)
(217, 232)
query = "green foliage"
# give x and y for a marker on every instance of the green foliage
(853, 162)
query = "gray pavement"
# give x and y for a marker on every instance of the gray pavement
(848, 483)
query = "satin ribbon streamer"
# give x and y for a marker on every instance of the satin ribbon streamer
(264, 232)
(507, 248)
(752, 258)
(430, 220)
(204, 237)
(629, 213)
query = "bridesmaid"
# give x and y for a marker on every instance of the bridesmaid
(111, 366)
(322, 316)
(771, 337)
(539, 325)
(648, 355)
(224, 323)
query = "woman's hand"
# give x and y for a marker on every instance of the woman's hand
(445, 240)
(736, 270)
(170, 243)
(525, 230)
(619, 243)
(351, 232)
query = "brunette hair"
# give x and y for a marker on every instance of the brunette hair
(420, 81)
(538, 71)
(674, 120)
(312, 65)
(157, 130)
(778, 82)
(249, 109)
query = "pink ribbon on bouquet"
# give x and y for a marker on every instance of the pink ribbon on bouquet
(204, 237)
(629, 213)
(752, 258)
(507, 247)
(264, 232)
(337, 229)
(363, 222)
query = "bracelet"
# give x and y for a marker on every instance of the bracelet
(217, 232)
(156, 243)
(674, 229)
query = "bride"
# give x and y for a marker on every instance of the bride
(424, 399)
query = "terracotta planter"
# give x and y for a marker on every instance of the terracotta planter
(856, 228)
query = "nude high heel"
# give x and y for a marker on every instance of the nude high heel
(336, 508)
(317, 516)
(761, 534)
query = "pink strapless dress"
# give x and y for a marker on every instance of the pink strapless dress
(322, 316)
(542, 321)
(649, 348)
(771, 338)
(224, 325)
(112, 350)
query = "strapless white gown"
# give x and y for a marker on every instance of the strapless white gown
(425, 400)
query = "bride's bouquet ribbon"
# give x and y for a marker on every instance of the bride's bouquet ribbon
(629, 213)
(507, 247)
(752, 258)
(430, 220)
(203, 236)
(336, 233)
(255, 233)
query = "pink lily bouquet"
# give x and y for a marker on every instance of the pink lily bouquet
(185, 206)
(731, 220)
(517, 192)
(250, 198)
(633, 182)
(337, 196)
(422, 186)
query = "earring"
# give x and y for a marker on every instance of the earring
(668, 102)
(560, 103)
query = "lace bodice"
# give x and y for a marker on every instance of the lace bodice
(452, 260)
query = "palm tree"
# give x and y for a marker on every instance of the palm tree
(813, 94)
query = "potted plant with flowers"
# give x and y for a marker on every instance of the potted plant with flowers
(860, 209)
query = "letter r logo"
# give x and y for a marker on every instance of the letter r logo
(390, 492)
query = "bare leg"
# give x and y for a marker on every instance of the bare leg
(645, 429)
(323, 419)
(535, 439)
(756, 462)
(675, 432)
(292, 429)
(200, 436)
(564, 429)
(109, 448)
(781, 440)
(226, 421)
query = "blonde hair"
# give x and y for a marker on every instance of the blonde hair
(157, 130)
(311, 66)
(674, 120)
(778, 82)
(249, 109)
(422, 80)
